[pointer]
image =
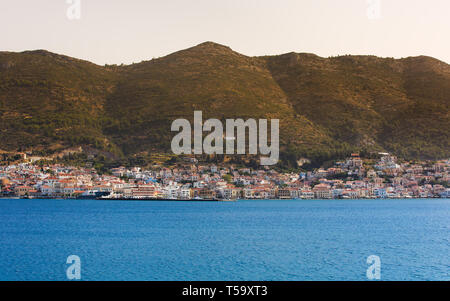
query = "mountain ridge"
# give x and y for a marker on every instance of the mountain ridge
(326, 106)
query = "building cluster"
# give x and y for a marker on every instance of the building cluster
(352, 178)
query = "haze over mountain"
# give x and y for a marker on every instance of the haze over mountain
(326, 106)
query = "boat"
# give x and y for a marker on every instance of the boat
(106, 198)
(92, 194)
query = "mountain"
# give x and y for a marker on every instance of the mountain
(327, 106)
(399, 105)
(50, 101)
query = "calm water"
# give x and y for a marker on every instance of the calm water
(245, 240)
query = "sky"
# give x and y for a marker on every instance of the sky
(127, 31)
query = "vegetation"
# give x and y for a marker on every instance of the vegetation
(328, 107)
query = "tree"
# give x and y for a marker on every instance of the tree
(227, 178)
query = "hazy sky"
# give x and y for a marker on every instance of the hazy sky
(120, 31)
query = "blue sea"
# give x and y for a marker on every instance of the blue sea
(243, 240)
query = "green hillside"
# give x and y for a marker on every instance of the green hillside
(211, 78)
(326, 106)
(50, 102)
(397, 105)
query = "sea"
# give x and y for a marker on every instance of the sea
(376, 239)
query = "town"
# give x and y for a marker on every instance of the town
(353, 178)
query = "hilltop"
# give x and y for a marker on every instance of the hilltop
(327, 106)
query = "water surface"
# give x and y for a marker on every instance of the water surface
(244, 240)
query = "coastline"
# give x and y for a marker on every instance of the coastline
(215, 200)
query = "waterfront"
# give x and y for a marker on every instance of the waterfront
(244, 240)
(355, 178)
